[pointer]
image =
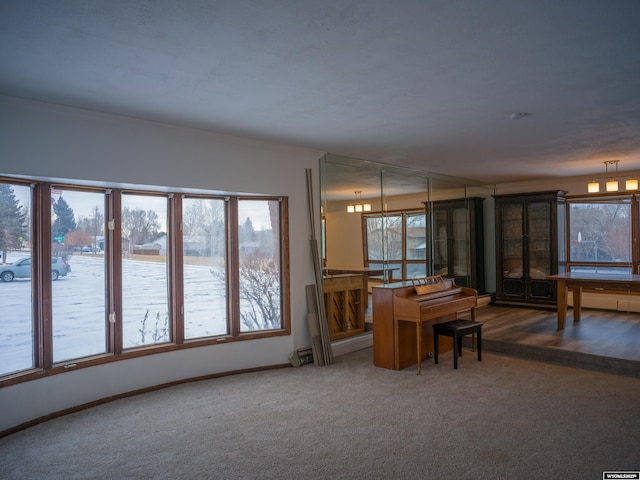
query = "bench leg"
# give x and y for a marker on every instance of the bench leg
(435, 348)
(479, 345)
(456, 349)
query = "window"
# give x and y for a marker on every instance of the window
(77, 274)
(600, 234)
(397, 241)
(132, 273)
(260, 269)
(16, 329)
(415, 245)
(145, 287)
(204, 242)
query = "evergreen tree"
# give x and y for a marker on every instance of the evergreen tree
(13, 220)
(65, 219)
(246, 231)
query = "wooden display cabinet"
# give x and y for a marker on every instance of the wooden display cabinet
(458, 240)
(530, 246)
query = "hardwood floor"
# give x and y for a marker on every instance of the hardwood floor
(604, 340)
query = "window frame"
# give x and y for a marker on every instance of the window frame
(42, 334)
(403, 261)
(634, 229)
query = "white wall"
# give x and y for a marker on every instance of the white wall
(49, 141)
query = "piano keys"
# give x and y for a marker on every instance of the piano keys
(403, 315)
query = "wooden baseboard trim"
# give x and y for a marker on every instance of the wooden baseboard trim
(84, 406)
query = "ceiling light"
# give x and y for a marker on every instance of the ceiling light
(358, 206)
(612, 184)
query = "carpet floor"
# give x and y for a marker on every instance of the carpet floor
(502, 418)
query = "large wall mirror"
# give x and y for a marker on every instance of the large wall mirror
(398, 223)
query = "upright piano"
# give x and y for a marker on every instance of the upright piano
(403, 315)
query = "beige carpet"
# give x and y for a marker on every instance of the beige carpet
(502, 418)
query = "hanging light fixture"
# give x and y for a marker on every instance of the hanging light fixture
(358, 206)
(612, 184)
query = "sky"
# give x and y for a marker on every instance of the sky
(83, 204)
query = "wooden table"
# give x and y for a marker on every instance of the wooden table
(601, 282)
(386, 273)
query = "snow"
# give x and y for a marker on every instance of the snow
(78, 306)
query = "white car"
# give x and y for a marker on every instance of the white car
(22, 269)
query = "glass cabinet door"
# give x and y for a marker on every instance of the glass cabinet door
(440, 242)
(529, 246)
(512, 237)
(539, 217)
(460, 246)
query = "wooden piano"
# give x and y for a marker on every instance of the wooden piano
(403, 315)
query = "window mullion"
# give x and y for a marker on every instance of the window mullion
(42, 275)
(113, 251)
(175, 252)
(233, 267)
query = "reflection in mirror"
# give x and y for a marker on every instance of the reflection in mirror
(419, 224)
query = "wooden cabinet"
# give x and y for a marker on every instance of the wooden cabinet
(344, 302)
(458, 240)
(530, 245)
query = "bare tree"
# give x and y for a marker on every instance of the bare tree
(93, 225)
(204, 219)
(77, 238)
(260, 288)
(139, 225)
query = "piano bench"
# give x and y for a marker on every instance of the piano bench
(457, 329)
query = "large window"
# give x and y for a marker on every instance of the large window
(145, 293)
(91, 275)
(601, 230)
(397, 242)
(204, 242)
(259, 257)
(16, 328)
(78, 268)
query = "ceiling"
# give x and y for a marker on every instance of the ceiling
(425, 84)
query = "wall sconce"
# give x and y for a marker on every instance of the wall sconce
(611, 184)
(358, 206)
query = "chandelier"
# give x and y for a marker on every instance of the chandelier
(358, 206)
(611, 184)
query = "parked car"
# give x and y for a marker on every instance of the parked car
(22, 269)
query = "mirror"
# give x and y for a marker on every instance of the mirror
(378, 216)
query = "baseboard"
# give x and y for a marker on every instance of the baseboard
(352, 344)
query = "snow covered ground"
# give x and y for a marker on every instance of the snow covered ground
(79, 326)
